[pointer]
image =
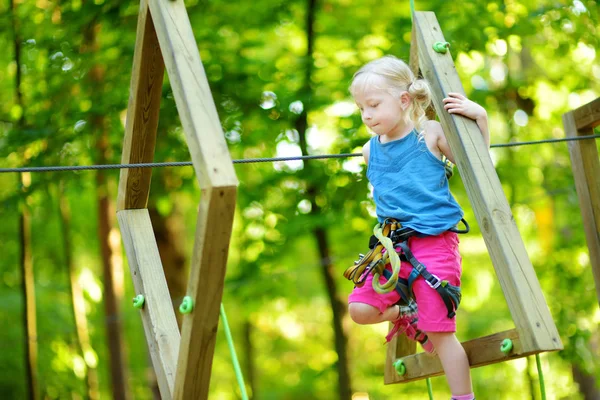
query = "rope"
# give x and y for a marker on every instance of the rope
(429, 388)
(541, 376)
(253, 160)
(236, 363)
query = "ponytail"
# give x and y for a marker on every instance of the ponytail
(420, 94)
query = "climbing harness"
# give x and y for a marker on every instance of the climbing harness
(391, 231)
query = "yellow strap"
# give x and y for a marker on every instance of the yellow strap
(393, 258)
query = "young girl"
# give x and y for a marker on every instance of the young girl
(409, 182)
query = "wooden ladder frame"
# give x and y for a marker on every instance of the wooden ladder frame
(535, 331)
(164, 38)
(586, 171)
(183, 362)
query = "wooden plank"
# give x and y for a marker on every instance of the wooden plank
(195, 104)
(198, 334)
(521, 288)
(482, 351)
(142, 114)
(587, 116)
(586, 171)
(399, 347)
(158, 317)
(413, 61)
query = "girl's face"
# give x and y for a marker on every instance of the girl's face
(383, 113)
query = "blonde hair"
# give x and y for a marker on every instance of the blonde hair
(398, 78)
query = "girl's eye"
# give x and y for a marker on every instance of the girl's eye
(375, 105)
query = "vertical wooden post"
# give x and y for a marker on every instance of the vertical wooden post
(586, 171)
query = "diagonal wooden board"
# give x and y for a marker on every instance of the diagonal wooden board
(218, 184)
(158, 317)
(535, 328)
(142, 114)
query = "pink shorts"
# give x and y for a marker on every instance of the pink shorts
(441, 257)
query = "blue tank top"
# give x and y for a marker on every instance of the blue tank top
(410, 185)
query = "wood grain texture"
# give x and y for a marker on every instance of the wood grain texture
(399, 347)
(519, 283)
(142, 114)
(207, 274)
(193, 97)
(158, 316)
(587, 116)
(586, 172)
(482, 351)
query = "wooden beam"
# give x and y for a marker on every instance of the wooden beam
(482, 351)
(399, 347)
(142, 114)
(587, 116)
(198, 334)
(158, 317)
(519, 283)
(586, 171)
(195, 104)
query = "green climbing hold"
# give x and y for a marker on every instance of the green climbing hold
(400, 367)
(441, 47)
(187, 305)
(138, 301)
(506, 346)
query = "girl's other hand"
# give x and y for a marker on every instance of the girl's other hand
(456, 103)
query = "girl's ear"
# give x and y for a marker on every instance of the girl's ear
(405, 100)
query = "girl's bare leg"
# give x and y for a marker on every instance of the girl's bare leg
(363, 314)
(454, 361)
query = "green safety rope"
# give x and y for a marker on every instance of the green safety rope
(429, 388)
(236, 364)
(507, 346)
(186, 307)
(541, 376)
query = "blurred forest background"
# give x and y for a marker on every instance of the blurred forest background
(279, 73)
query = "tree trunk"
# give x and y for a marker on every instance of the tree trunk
(113, 281)
(28, 282)
(530, 379)
(249, 350)
(320, 233)
(170, 239)
(78, 300)
(110, 248)
(28, 290)
(586, 382)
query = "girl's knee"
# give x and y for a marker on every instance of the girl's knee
(362, 313)
(441, 338)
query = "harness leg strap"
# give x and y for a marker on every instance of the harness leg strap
(450, 294)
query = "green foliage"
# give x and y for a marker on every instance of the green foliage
(526, 61)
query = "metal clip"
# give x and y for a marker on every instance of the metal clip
(437, 283)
